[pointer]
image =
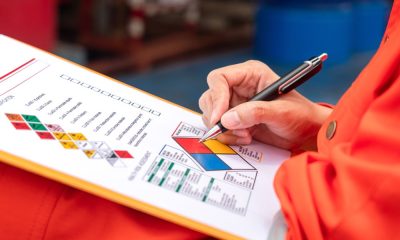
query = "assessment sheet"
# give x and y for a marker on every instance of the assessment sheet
(81, 128)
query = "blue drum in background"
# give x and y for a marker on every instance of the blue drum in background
(293, 31)
(370, 18)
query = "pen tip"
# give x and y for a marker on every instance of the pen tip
(212, 133)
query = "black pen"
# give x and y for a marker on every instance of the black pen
(283, 85)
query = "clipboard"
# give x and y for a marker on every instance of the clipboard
(129, 146)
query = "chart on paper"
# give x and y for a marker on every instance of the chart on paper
(128, 146)
(210, 172)
(69, 140)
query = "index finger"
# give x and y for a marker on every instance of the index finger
(243, 77)
(219, 95)
(236, 82)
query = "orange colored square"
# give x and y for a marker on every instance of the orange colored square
(14, 117)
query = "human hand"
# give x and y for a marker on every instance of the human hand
(291, 121)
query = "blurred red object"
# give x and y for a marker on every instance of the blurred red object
(33, 22)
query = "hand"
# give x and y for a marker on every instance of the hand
(291, 121)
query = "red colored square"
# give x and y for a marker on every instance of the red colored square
(21, 126)
(14, 117)
(192, 145)
(123, 154)
(45, 135)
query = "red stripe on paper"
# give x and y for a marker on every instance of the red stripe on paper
(16, 69)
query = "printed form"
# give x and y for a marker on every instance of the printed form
(94, 133)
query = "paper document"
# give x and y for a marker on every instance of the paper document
(75, 126)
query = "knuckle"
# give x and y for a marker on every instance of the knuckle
(212, 75)
(285, 113)
(254, 63)
(257, 113)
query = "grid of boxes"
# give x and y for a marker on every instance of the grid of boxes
(213, 155)
(68, 140)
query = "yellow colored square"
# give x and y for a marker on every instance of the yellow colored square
(68, 145)
(218, 147)
(61, 136)
(77, 136)
(89, 153)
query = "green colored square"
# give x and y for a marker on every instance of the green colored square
(38, 126)
(30, 118)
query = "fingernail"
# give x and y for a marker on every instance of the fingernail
(231, 119)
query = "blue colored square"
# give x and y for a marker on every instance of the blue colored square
(210, 162)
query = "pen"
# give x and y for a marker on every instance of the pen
(283, 85)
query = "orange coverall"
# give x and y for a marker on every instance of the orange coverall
(350, 188)
(346, 190)
(33, 207)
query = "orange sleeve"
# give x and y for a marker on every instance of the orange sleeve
(352, 190)
(33, 207)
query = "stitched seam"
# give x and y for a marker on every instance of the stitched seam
(38, 214)
(51, 214)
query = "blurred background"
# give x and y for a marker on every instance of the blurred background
(167, 47)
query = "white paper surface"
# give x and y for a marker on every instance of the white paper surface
(85, 125)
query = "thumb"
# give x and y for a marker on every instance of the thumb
(247, 114)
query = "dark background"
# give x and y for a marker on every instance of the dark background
(167, 47)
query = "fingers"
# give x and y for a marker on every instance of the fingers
(236, 137)
(249, 114)
(212, 109)
(246, 73)
(205, 107)
(219, 93)
(231, 85)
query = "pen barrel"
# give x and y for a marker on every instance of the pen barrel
(273, 90)
(223, 129)
(294, 84)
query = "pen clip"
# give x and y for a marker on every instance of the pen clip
(300, 78)
(295, 77)
(287, 87)
(314, 65)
